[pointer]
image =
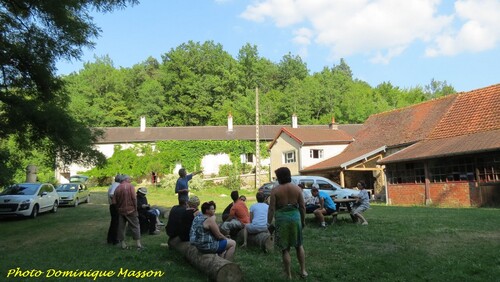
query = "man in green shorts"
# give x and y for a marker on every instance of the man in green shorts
(287, 207)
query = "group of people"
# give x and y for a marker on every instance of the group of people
(201, 229)
(286, 209)
(284, 216)
(130, 207)
(321, 204)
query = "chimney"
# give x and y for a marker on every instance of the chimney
(143, 123)
(294, 121)
(230, 123)
(333, 125)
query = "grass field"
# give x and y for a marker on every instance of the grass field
(399, 244)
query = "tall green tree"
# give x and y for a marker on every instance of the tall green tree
(34, 35)
(198, 78)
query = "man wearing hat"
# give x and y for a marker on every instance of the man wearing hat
(147, 215)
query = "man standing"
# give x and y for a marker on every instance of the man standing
(287, 207)
(113, 225)
(125, 200)
(181, 186)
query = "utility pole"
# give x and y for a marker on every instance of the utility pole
(257, 139)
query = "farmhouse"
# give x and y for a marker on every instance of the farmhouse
(127, 137)
(445, 152)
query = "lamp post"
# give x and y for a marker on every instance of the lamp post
(257, 139)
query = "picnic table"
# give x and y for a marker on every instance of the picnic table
(344, 205)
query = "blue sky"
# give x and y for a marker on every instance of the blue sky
(407, 43)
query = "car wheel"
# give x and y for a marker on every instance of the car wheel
(34, 212)
(88, 199)
(54, 207)
(76, 203)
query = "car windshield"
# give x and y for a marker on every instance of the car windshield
(67, 188)
(21, 189)
(78, 178)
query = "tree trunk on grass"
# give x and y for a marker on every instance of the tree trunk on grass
(262, 240)
(217, 268)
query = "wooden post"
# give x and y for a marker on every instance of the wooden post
(216, 267)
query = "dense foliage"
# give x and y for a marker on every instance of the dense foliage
(141, 160)
(34, 35)
(200, 83)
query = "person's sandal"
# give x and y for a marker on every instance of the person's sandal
(142, 248)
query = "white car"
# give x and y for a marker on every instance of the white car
(28, 199)
(324, 184)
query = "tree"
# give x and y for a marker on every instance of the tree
(437, 89)
(198, 79)
(34, 35)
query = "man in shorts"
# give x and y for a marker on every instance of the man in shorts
(326, 206)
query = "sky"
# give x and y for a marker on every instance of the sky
(405, 42)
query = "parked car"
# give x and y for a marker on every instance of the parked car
(331, 188)
(72, 194)
(78, 179)
(28, 199)
(267, 187)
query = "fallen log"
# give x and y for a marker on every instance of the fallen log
(217, 268)
(262, 240)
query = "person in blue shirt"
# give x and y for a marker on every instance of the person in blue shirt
(326, 205)
(181, 187)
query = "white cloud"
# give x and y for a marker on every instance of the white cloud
(384, 29)
(303, 36)
(283, 12)
(480, 30)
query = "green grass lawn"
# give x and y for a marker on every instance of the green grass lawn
(399, 244)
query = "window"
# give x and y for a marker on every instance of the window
(482, 168)
(406, 173)
(315, 154)
(453, 169)
(289, 157)
(246, 158)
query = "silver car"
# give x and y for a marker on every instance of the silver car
(324, 184)
(28, 199)
(72, 194)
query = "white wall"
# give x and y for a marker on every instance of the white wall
(328, 152)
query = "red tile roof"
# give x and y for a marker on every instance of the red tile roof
(391, 129)
(452, 146)
(471, 125)
(474, 111)
(113, 135)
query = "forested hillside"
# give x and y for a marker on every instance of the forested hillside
(200, 83)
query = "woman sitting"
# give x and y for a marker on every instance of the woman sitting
(206, 236)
